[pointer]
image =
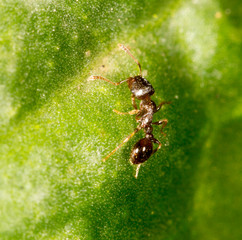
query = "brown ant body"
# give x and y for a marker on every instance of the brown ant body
(142, 90)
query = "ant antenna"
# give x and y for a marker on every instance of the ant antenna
(130, 54)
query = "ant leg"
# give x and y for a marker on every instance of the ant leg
(139, 115)
(130, 54)
(137, 170)
(107, 80)
(133, 101)
(163, 123)
(161, 104)
(159, 145)
(135, 111)
(122, 143)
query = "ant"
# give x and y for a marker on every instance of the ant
(142, 90)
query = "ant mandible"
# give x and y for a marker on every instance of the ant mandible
(142, 90)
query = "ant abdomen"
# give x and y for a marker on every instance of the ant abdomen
(141, 151)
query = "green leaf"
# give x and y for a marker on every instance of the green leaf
(56, 126)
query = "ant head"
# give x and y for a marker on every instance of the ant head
(140, 87)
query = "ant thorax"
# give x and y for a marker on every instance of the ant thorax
(147, 108)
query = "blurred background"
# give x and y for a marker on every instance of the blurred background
(55, 126)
